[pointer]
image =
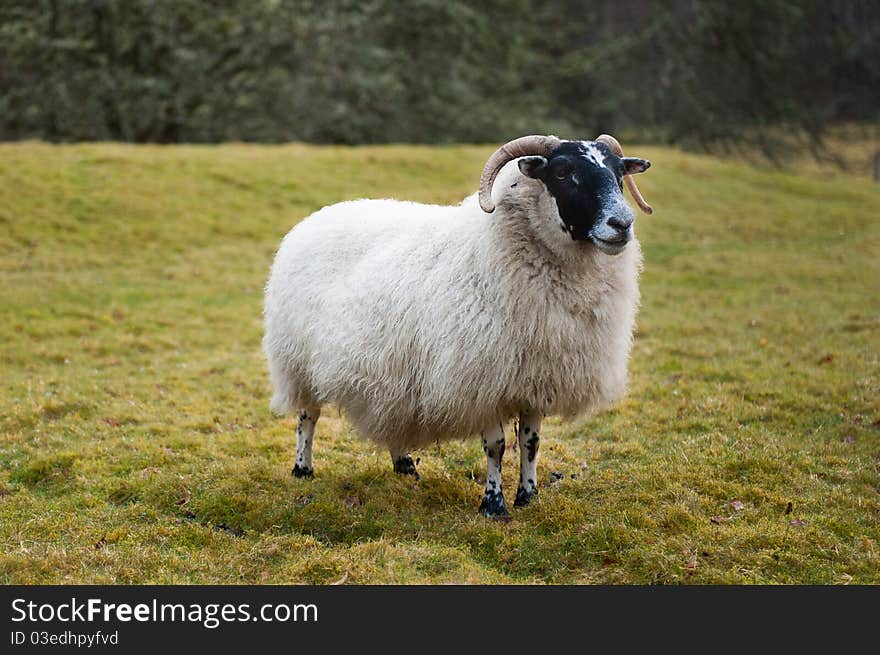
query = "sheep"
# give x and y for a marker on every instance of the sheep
(425, 323)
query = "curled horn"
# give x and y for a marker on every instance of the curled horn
(521, 147)
(614, 144)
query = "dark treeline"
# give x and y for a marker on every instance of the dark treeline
(346, 71)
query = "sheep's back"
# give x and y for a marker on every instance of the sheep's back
(358, 296)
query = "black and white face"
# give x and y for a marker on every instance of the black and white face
(586, 179)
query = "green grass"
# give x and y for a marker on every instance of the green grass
(136, 444)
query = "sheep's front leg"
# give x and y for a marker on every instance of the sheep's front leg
(493, 498)
(528, 439)
(305, 431)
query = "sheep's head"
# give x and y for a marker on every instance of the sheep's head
(585, 178)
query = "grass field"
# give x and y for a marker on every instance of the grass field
(136, 443)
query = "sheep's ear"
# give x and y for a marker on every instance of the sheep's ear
(633, 165)
(533, 166)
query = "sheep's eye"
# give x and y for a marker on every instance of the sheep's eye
(563, 172)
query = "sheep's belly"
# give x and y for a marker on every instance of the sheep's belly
(420, 408)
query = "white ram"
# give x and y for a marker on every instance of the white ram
(425, 323)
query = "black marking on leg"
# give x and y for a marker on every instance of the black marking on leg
(524, 495)
(532, 446)
(493, 505)
(405, 466)
(302, 471)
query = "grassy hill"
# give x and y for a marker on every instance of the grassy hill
(136, 443)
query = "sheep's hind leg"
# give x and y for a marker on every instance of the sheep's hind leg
(529, 424)
(403, 464)
(305, 431)
(493, 498)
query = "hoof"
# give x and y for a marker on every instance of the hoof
(524, 496)
(493, 505)
(302, 472)
(405, 466)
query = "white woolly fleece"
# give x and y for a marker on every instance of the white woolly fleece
(427, 323)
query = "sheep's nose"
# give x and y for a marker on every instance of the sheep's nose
(621, 223)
